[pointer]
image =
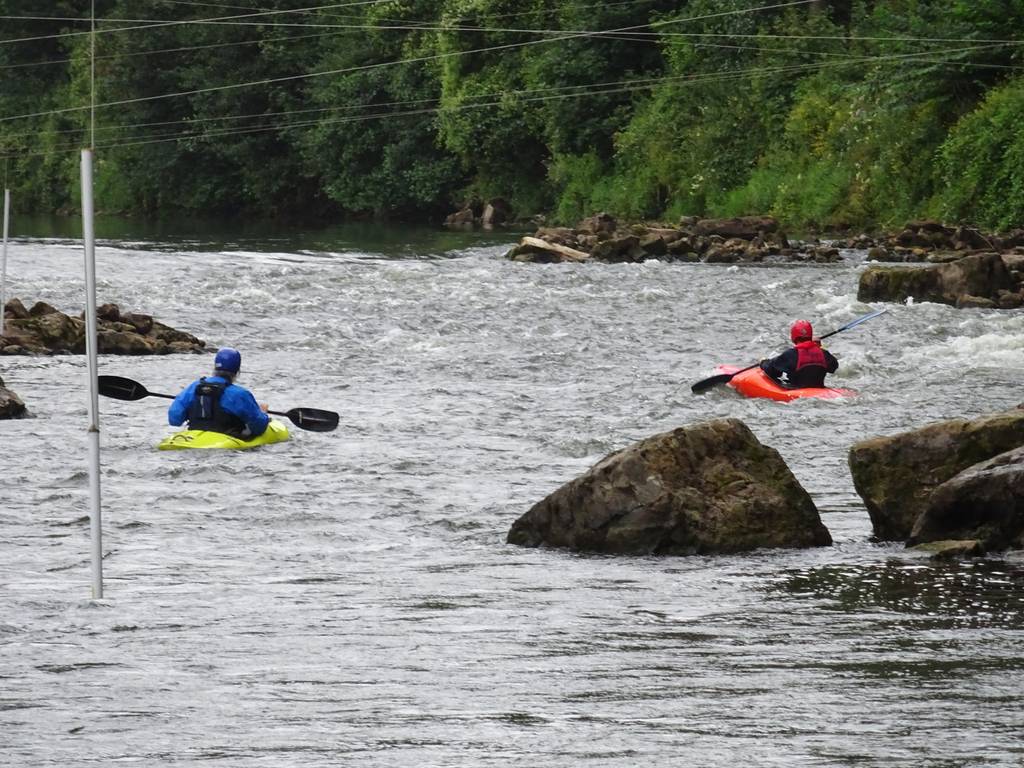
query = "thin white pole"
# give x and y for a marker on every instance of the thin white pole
(3, 270)
(88, 236)
(94, 395)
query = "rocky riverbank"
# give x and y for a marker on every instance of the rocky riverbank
(953, 265)
(933, 242)
(600, 238)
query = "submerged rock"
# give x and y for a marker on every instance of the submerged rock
(952, 549)
(707, 488)
(896, 475)
(45, 330)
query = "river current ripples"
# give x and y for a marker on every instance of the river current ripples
(349, 599)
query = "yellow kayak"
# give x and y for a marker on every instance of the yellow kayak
(276, 432)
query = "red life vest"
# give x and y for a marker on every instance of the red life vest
(809, 353)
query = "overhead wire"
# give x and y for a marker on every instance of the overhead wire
(404, 25)
(594, 88)
(314, 110)
(641, 84)
(182, 22)
(346, 70)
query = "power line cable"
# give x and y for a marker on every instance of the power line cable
(394, 24)
(645, 84)
(182, 22)
(345, 70)
(315, 110)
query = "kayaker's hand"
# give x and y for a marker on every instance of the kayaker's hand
(264, 407)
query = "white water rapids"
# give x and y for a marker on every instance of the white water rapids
(349, 599)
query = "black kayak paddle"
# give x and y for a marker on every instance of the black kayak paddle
(725, 378)
(313, 419)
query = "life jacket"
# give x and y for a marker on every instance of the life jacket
(811, 366)
(205, 411)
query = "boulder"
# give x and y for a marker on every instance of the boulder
(11, 406)
(744, 227)
(41, 308)
(463, 218)
(895, 475)
(703, 489)
(618, 249)
(878, 253)
(968, 238)
(15, 309)
(985, 502)
(980, 275)
(600, 223)
(560, 235)
(48, 332)
(654, 245)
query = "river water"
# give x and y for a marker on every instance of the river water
(349, 599)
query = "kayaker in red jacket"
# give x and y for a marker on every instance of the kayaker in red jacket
(806, 364)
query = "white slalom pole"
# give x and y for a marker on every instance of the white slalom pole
(3, 269)
(94, 394)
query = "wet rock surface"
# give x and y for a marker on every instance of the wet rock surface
(985, 503)
(987, 280)
(11, 406)
(898, 475)
(703, 489)
(45, 330)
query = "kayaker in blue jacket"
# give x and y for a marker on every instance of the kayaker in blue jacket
(217, 404)
(806, 364)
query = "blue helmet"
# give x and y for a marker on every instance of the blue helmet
(228, 359)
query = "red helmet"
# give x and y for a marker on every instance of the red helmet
(801, 331)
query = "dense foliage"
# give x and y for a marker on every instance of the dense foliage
(825, 113)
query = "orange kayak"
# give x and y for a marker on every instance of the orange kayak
(757, 383)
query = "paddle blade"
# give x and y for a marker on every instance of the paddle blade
(313, 419)
(711, 381)
(121, 388)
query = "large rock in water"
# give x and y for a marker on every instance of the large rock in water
(985, 503)
(708, 488)
(11, 406)
(896, 475)
(982, 276)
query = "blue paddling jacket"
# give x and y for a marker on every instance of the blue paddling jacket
(218, 406)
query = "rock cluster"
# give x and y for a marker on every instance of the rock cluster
(704, 489)
(44, 330)
(750, 239)
(932, 241)
(953, 481)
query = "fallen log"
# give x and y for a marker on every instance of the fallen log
(570, 253)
